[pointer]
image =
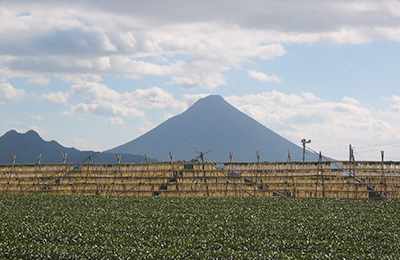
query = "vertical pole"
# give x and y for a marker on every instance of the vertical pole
(171, 156)
(64, 157)
(13, 157)
(230, 172)
(383, 177)
(289, 166)
(304, 151)
(256, 179)
(146, 158)
(318, 170)
(350, 169)
(321, 173)
(350, 152)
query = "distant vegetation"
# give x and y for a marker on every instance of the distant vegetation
(91, 227)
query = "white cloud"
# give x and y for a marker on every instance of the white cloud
(208, 80)
(115, 121)
(38, 80)
(94, 92)
(128, 41)
(73, 41)
(299, 116)
(10, 94)
(36, 117)
(190, 99)
(83, 144)
(13, 122)
(104, 63)
(106, 109)
(262, 76)
(39, 129)
(394, 110)
(167, 116)
(351, 101)
(154, 97)
(145, 126)
(103, 101)
(56, 97)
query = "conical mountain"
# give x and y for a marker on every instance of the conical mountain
(212, 123)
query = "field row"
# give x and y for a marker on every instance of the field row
(101, 227)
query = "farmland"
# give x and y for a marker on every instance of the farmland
(102, 227)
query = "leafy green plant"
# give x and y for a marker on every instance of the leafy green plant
(97, 227)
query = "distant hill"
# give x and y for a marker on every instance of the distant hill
(27, 146)
(212, 123)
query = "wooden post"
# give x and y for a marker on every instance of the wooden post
(90, 158)
(64, 157)
(351, 171)
(383, 176)
(13, 157)
(230, 171)
(171, 156)
(39, 158)
(146, 158)
(316, 181)
(289, 167)
(256, 177)
(119, 156)
(350, 152)
(197, 179)
(321, 173)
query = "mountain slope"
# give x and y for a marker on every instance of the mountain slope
(27, 146)
(212, 123)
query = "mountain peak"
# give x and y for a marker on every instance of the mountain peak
(28, 145)
(211, 99)
(212, 104)
(212, 124)
(32, 134)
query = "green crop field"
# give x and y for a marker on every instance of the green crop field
(95, 227)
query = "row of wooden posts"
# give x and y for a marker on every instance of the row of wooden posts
(171, 154)
(322, 179)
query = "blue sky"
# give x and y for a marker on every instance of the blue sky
(95, 75)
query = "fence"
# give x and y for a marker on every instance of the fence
(347, 180)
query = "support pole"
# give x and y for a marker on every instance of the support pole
(256, 177)
(304, 142)
(172, 174)
(171, 156)
(13, 157)
(64, 157)
(90, 158)
(289, 167)
(383, 176)
(230, 172)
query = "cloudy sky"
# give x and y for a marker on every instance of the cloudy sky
(97, 74)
